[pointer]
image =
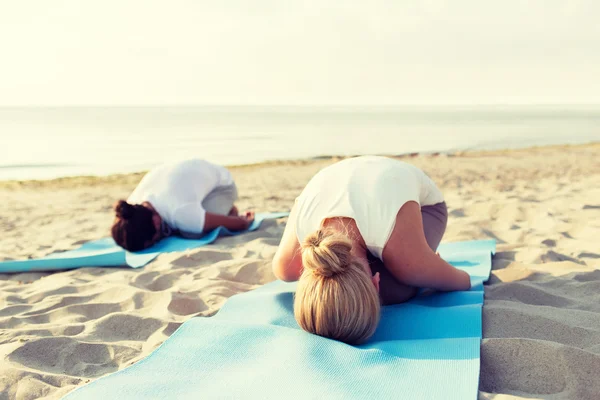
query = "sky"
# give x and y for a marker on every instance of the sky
(257, 52)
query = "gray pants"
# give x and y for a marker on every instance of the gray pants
(435, 219)
(219, 201)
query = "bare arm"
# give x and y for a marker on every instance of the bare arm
(287, 263)
(409, 258)
(233, 223)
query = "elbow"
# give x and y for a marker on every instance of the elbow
(287, 279)
(277, 273)
(467, 286)
(281, 270)
(457, 283)
(465, 282)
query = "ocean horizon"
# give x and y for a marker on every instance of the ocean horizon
(52, 142)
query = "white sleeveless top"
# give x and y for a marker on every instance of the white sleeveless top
(369, 189)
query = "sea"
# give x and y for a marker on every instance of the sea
(51, 142)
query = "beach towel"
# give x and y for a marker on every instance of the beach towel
(427, 348)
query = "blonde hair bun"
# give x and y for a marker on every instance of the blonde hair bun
(335, 296)
(326, 253)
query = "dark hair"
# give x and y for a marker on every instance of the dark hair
(133, 227)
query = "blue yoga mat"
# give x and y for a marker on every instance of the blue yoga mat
(427, 348)
(106, 253)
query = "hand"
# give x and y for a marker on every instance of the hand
(247, 219)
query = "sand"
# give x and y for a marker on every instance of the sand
(541, 319)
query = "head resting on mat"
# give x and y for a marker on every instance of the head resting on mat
(336, 297)
(136, 226)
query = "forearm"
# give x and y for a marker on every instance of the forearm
(443, 276)
(430, 271)
(283, 272)
(233, 223)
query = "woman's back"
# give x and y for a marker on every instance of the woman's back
(171, 185)
(368, 189)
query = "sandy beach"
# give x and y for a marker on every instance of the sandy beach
(541, 318)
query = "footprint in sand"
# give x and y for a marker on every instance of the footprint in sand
(186, 304)
(549, 242)
(157, 281)
(553, 256)
(458, 213)
(588, 255)
(124, 327)
(64, 355)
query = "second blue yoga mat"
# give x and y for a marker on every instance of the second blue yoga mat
(106, 253)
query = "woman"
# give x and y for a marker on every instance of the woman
(350, 211)
(186, 197)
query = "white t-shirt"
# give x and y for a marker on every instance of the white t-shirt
(371, 190)
(176, 190)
